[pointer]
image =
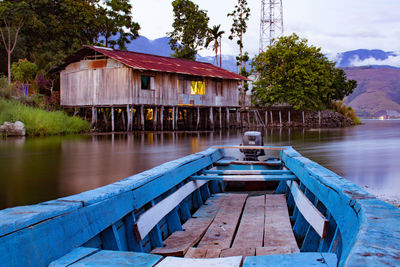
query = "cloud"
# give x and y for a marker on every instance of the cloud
(391, 61)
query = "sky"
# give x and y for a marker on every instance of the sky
(335, 26)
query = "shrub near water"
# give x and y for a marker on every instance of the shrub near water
(41, 122)
(349, 112)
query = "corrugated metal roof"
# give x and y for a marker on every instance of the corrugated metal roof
(166, 64)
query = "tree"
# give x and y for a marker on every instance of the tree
(240, 17)
(117, 21)
(56, 29)
(190, 29)
(216, 37)
(291, 71)
(13, 16)
(24, 71)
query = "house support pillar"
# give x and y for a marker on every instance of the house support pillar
(142, 118)
(94, 117)
(155, 115)
(162, 118)
(280, 118)
(198, 119)
(211, 118)
(112, 119)
(227, 118)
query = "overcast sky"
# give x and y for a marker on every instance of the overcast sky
(335, 25)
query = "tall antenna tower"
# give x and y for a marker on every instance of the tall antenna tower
(271, 24)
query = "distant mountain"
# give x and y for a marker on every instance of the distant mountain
(161, 47)
(363, 57)
(376, 72)
(377, 92)
(158, 46)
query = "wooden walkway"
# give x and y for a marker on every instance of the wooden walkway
(234, 225)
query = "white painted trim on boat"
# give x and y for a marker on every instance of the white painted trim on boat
(312, 215)
(152, 216)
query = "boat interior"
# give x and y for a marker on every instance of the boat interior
(225, 212)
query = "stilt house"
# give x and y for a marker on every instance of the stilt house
(103, 77)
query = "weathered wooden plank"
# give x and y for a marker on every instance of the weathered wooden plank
(238, 251)
(252, 147)
(73, 256)
(300, 259)
(213, 252)
(245, 172)
(221, 231)
(220, 262)
(118, 258)
(151, 217)
(179, 242)
(308, 210)
(248, 178)
(278, 234)
(251, 228)
(196, 253)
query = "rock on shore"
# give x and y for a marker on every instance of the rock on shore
(13, 129)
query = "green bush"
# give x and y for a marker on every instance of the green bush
(349, 112)
(41, 122)
(5, 88)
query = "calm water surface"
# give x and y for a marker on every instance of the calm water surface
(39, 169)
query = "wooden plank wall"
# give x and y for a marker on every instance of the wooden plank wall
(85, 84)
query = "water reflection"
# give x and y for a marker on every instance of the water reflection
(38, 169)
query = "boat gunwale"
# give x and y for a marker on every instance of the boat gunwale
(357, 213)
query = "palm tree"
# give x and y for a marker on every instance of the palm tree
(215, 35)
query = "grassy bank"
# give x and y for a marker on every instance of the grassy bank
(41, 122)
(340, 107)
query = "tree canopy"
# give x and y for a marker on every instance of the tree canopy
(116, 21)
(56, 29)
(190, 29)
(292, 71)
(240, 15)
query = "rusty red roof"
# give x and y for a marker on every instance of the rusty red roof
(150, 62)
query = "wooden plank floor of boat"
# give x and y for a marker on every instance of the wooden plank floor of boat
(235, 225)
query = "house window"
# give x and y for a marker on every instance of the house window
(197, 88)
(147, 82)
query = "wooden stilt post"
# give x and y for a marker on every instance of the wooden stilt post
(105, 118)
(142, 117)
(198, 119)
(227, 118)
(266, 118)
(302, 113)
(173, 118)
(319, 118)
(128, 114)
(211, 118)
(94, 117)
(176, 118)
(272, 119)
(280, 118)
(220, 118)
(237, 118)
(155, 118)
(248, 119)
(112, 119)
(162, 118)
(123, 119)
(289, 117)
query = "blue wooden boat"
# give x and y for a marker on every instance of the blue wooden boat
(205, 209)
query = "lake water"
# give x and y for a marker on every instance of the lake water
(33, 170)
